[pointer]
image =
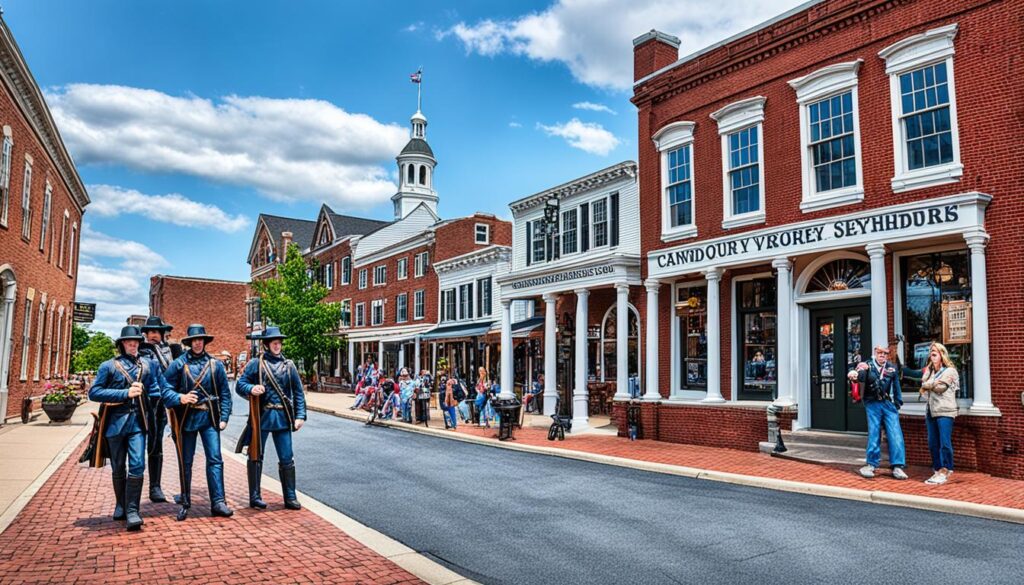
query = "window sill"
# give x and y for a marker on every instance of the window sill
(830, 199)
(679, 233)
(929, 177)
(742, 220)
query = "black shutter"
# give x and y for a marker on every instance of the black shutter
(615, 219)
(584, 227)
(529, 242)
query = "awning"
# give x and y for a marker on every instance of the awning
(528, 325)
(455, 331)
(387, 335)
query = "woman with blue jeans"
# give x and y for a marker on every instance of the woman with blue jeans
(482, 387)
(940, 385)
(448, 403)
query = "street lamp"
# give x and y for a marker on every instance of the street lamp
(551, 225)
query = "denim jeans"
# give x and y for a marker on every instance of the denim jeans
(884, 415)
(214, 462)
(407, 410)
(131, 449)
(282, 443)
(480, 402)
(450, 416)
(940, 441)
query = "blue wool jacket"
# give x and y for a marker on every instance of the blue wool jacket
(111, 386)
(286, 375)
(181, 378)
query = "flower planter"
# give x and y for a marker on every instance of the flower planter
(60, 411)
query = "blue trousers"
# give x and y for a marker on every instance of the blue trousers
(214, 462)
(282, 444)
(450, 416)
(940, 441)
(129, 448)
(884, 415)
(481, 402)
(407, 410)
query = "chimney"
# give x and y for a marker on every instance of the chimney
(652, 51)
(286, 240)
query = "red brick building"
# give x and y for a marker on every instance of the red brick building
(217, 304)
(41, 203)
(842, 175)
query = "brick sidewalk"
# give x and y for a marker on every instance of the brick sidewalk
(65, 535)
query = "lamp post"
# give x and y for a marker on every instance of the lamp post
(551, 225)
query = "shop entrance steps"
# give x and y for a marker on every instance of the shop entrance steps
(824, 448)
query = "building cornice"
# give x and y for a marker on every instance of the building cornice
(18, 77)
(581, 185)
(494, 253)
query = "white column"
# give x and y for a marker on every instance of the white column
(879, 306)
(580, 414)
(351, 359)
(506, 350)
(785, 377)
(337, 362)
(416, 356)
(433, 355)
(714, 325)
(401, 355)
(380, 354)
(6, 346)
(652, 381)
(621, 341)
(550, 354)
(981, 377)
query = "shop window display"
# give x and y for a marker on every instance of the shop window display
(757, 316)
(692, 312)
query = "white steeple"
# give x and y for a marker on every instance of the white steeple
(416, 165)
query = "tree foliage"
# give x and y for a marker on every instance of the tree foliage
(79, 338)
(293, 301)
(98, 348)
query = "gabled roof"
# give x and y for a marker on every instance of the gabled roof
(347, 225)
(301, 229)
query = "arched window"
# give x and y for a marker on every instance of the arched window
(840, 275)
(411, 175)
(607, 353)
(423, 174)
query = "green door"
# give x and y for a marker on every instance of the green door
(840, 338)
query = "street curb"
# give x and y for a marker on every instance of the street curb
(26, 496)
(420, 566)
(985, 511)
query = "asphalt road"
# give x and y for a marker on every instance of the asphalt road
(499, 516)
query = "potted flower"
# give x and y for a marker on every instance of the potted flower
(60, 400)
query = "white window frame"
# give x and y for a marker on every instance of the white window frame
(486, 233)
(403, 269)
(360, 318)
(329, 275)
(537, 226)
(592, 226)
(351, 317)
(44, 228)
(575, 212)
(673, 136)
(928, 48)
(419, 305)
(39, 337)
(465, 300)
(26, 202)
(363, 278)
(374, 305)
(380, 275)
(484, 309)
(446, 315)
(732, 118)
(402, 306)
(6, 152)
(26, 339)
(346, 274)
(71, 248)
(422, 262)
(822, 84)
(676, 373)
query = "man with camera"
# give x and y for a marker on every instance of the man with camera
(879, 380)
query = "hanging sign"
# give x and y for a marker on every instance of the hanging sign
(84, 312)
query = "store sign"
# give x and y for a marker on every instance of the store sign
(84, 312)
(567, 276)
(886, 224)
(956, 322)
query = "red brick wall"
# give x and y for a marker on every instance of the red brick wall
(989, 111)
(457, 237)
(217, 304)
(34, 269)
(394, 287)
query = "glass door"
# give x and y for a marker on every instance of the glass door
(839, 341)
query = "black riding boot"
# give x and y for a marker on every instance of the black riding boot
(156, 470)
(133, 494)
(255, 471)
(184, 499)
(119, 487)
(287, 472)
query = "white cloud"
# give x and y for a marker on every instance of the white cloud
(514, 124)
(593, 38)
(594, 107)
(111, 201)
(414, 26)
(586, 136)
(120, 289)
(286, 148)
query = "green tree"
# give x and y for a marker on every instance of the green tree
(98, 349)
(79, 338)
(294, 302)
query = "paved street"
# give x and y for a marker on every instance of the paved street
(499, 516)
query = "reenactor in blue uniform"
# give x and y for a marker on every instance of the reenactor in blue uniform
(124, 386)
(197, 393)
(162, 353)
(277, 407)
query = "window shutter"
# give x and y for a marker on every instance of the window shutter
(584, 227)
(615, 219)
(529, 242)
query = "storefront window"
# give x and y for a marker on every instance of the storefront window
(692, 312)
(757, 318)
(609, 342)
(928, 281)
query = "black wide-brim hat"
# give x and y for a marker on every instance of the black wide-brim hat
(196, 331)
(155, 323)
(272, 333)
(129, 332)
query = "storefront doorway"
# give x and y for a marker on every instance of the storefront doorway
(840, 338)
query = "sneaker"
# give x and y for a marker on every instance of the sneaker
(898, 473)
(867, 471)
(931, 480)
(939, 478)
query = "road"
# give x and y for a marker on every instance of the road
(499, 516)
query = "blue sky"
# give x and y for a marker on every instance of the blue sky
(188, 119)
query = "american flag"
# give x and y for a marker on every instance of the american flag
(417, 77)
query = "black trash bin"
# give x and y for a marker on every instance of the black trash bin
(422, 409)
(508, 410)
(634, 429)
